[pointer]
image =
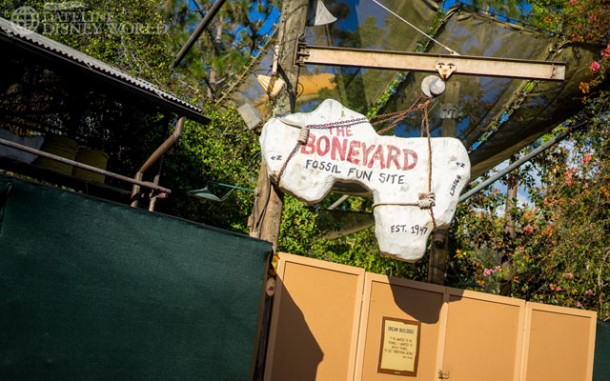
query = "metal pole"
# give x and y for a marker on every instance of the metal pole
(155, 156)
(514, 165)
(198, 31)
(340, 201)
(34, 151)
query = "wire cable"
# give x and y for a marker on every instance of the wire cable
(451, 51)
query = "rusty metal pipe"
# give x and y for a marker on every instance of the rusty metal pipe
(155, 156)
(153, 200)
(556, 139)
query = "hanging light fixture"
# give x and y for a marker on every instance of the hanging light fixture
(207, 194)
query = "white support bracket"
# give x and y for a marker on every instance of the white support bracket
(445, 70)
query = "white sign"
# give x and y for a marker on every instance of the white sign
(342, 146)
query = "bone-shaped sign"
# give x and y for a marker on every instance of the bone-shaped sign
(340, 145)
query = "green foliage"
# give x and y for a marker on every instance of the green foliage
(561, 251)
(223, 151)
(225, 47)
(130, 34)
(509, 8)
(581, 21)
(143, 37)
(301, 234)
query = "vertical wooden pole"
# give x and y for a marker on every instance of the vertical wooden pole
(511, 200)
(439, 252)
(269, 200)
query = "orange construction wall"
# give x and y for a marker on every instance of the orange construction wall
(327, 325)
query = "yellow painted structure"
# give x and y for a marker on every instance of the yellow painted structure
(327, 324)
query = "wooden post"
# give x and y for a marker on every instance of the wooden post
(269, 200)
(266, 216)
(439, 252)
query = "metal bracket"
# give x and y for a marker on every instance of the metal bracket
(442, 375)
(449, 111)
(302, 51)
(445, 70)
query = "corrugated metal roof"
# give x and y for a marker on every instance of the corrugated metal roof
(52, 49)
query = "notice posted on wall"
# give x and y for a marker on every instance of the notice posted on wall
(399, 346)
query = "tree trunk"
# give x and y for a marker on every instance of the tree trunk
(509, 229)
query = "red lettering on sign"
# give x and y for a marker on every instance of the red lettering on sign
(310, 147)
(323, 151)
(341, 131)
(338, 148)
(354, 147)
(409, 153)
(367, 152)
(357, 152)
(393, 153)
(379, 157)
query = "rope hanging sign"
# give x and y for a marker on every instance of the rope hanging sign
(415, 182)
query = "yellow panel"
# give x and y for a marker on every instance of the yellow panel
(399, 299)
(327, 324)
(561, 343)
(483, 337)
(315, 321)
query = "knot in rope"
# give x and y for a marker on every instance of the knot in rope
(424, 105)
(426, 200)
(303, 135)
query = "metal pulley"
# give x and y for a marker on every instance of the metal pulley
(432, 86)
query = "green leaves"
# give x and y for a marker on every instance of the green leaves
(561, 249)
(559, 254)
(226, 46)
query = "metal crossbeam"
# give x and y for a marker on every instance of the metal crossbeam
(470, 65)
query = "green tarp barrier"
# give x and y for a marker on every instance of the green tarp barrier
(601, 367)
(93, 290)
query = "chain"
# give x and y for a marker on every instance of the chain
(398, 116)
(303, 136)
(341, 123)
(426, 200)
